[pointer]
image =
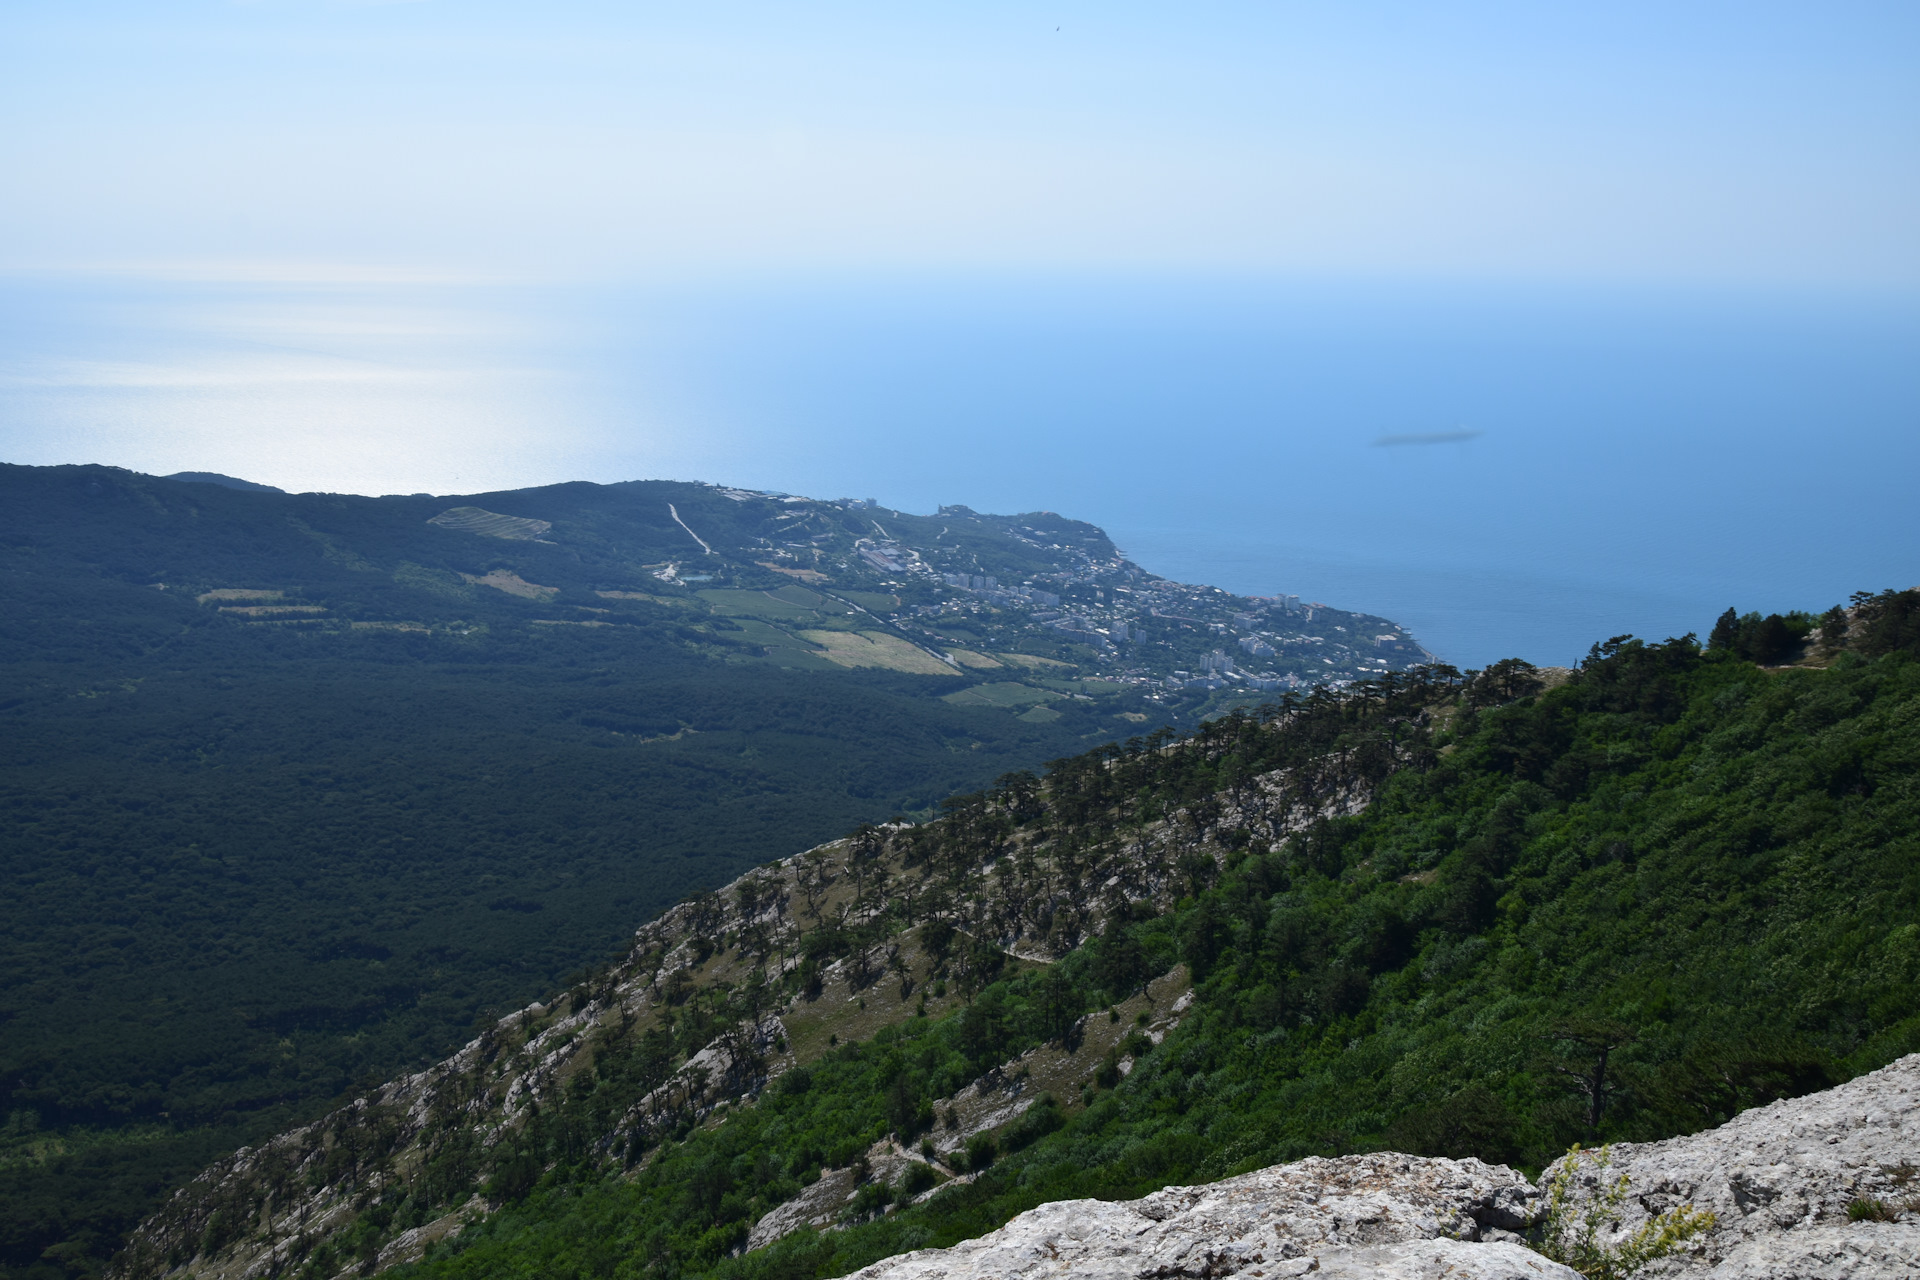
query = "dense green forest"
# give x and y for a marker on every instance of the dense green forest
(214, 919)
(293, 796)
(1625, 905)
(1711, 869)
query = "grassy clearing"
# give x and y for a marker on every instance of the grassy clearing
(513, 584)
(968, 658)
(237, 593)
(801, 596)
(804, 575)
(778, 606)
(678, 602)
(1033, 660)
(876, 649)
(1039, 715)
(755, 633)
(843, 1013)
(1001, 693)
(23, 1144)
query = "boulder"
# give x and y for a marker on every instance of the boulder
(1373, 1215)
(1780, 1178)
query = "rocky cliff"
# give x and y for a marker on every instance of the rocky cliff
(755, 979)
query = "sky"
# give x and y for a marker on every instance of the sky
(1644, 278)
(1731, 143)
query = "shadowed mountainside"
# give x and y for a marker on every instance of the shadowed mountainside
(1453, 916)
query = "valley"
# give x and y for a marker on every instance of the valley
(1403, 917)
(299, 789)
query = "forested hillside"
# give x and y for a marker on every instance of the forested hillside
(296, 790)
(1490, 914)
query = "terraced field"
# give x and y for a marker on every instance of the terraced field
(490, 524)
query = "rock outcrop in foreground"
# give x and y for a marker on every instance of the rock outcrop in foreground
(1779, 1180)
(1373, 1215)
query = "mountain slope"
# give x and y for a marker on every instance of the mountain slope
(1440, 915)
(298, 789)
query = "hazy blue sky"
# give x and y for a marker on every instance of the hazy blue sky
(1173, 268)
(1723, 142)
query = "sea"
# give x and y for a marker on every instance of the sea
(1506, 469)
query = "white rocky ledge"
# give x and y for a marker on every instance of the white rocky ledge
(1779, 1180)
(1376, 1215)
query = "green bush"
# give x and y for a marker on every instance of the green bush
(1582, 1227)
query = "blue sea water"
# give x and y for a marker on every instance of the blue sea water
(1595, 462)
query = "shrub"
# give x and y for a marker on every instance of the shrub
(871, 1199)
(916, 1179)
(1041, 1119)
(1575, 1225)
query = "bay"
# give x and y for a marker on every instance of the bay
(1503, 468)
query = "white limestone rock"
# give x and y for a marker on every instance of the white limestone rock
(1778, 1178)
(1855, 1251)
(1436, 1259)
(1372, 1215)
(822, 1203)
(1785, 1171)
